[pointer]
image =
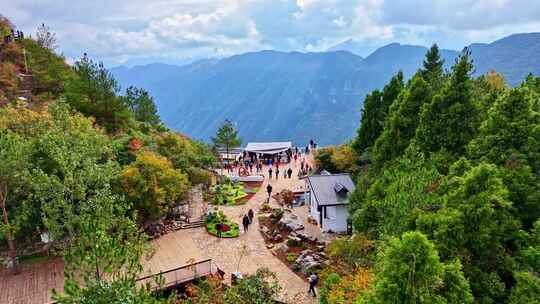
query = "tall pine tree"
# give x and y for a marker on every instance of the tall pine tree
(376, 106)
(402, 121)
(432, 69)
(449, 122)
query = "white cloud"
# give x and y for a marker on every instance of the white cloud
(165, 30)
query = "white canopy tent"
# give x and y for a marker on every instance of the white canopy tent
(268, 147)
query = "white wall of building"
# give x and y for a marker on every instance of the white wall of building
(335, 219)
(336, 216)
(313, 208)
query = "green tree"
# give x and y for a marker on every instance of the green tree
(94, 92)
(153, 185)
(14, 165)
(323, 159)
(527, 289)
(103, 261)
(449, 122)
(509, 137)
(376, 106)
(399, 195)
(487, 89)
(402, 121)
(474, 226)
(227, 137)
(71, 162)
(432, 67)
(411, 272)
(142, 105)
(260, 288)
(511, 128)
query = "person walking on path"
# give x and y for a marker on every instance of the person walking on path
(277, 173)
(219, 228)
(245, 223)
(269, 190)
(313, 280)
(285, 173)
(250, 215)
(289, 173)
(270, 173)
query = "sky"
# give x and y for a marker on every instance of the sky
(131, 32)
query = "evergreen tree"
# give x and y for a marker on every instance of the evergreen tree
(411, 272)
(94, 92)
(376, 107)
(527, 288)
(509, 137)
(227, 137)
(449, 122)
(369, 124)
(398, 196)
(510, 129)
(142, 105)
(474, 226)
(402, 121)
(432, 67)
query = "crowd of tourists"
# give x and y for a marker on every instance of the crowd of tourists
(278, 164)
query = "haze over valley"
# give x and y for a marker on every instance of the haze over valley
(299, 96)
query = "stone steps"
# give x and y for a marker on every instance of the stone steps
(195, 224)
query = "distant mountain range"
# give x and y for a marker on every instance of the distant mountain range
(275, 96)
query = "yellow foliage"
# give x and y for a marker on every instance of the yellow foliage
(24, 121)
(153, 184)
(345, 159)
(495, 81)
(350, 287)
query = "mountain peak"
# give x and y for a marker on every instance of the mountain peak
(276, 95)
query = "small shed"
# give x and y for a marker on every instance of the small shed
(328, 197)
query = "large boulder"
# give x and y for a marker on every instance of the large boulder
(294, 226)
(306, 262)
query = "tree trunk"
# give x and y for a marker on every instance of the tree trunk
(228, 159)
(12, 249)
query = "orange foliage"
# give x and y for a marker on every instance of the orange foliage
(350, 287)
(24, 121)
(135, 144)
(9, 80)
(12, 52)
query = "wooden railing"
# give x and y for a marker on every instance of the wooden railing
(177, 276)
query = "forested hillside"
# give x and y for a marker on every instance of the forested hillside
(272, 95)
(447, 203)
(85, 167)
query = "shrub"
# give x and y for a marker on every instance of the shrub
(277, 214)
(198, 176)
(329, 283)
(295, 243)
(291, 257)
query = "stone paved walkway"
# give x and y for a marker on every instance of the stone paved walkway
(224, 252)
